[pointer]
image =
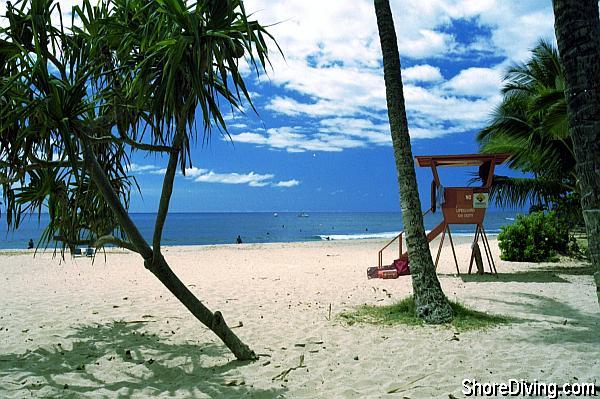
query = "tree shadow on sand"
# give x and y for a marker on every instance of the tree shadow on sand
(529, 276)
(537, 274)
(583, 270)
(97, 365)
(565, 323)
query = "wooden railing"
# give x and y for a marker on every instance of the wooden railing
(399, 238)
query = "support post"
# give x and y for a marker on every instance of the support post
(437, 258)
(453, 251)
(485, 247)
(472, 251)
(491, 258)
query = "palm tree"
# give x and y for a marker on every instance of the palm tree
(77, 103)
(577, 26)
(531, 124)
(431, 303)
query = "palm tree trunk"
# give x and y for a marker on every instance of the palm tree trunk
(577, 26)
(431, 303)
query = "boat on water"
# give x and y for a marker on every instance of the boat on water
(275, 214)
(303, 215)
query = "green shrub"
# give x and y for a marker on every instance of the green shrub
(534, 238)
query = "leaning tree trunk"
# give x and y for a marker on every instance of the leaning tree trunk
(431, 303)
(214, 321)
(577, 26)
(155, 262)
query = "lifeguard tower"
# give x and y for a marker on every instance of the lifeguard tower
(459, 205)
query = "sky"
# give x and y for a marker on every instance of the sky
(320, 139)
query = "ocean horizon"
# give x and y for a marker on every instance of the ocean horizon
(212, 228)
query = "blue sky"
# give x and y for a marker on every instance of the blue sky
(321, 141)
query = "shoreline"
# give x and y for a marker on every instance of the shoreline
(458, 237)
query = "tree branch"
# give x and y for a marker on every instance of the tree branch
(110, 239)
(167, 188)
(106, 122)
(146, 147)
(37, 163)
(101, 124)
(114, 202)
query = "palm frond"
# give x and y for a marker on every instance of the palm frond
(531, 124)
(517, 192)
(114, 82)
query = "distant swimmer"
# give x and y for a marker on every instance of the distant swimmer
(238, 240)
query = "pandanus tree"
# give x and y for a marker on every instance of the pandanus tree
(577, 26)
(126, 76)
(531, 124)
(431, 303)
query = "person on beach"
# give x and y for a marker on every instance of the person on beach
(238, 240)
(30, 244)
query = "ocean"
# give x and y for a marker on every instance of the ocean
(263, 227)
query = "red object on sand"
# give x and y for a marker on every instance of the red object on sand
(387, 273)
(401, 266)
(398, 268)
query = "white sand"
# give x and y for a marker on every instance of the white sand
(57, 326)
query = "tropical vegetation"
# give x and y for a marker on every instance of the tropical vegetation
(549, 121)
(531, 124)
(537, 237)
(78, 99)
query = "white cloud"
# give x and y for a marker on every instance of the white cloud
(431, 113)
(195, 172)
(287, 183)
(422, 73)
(137, 168)
(332, 76)
(429, 43)
(477, 82)
(517, 25)
(300, 139)
(200, 175)
(374, 133)
(429, 107)
(330, 135)
(252, 179)
(320, 108)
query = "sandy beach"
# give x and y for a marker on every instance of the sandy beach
(65, 326)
